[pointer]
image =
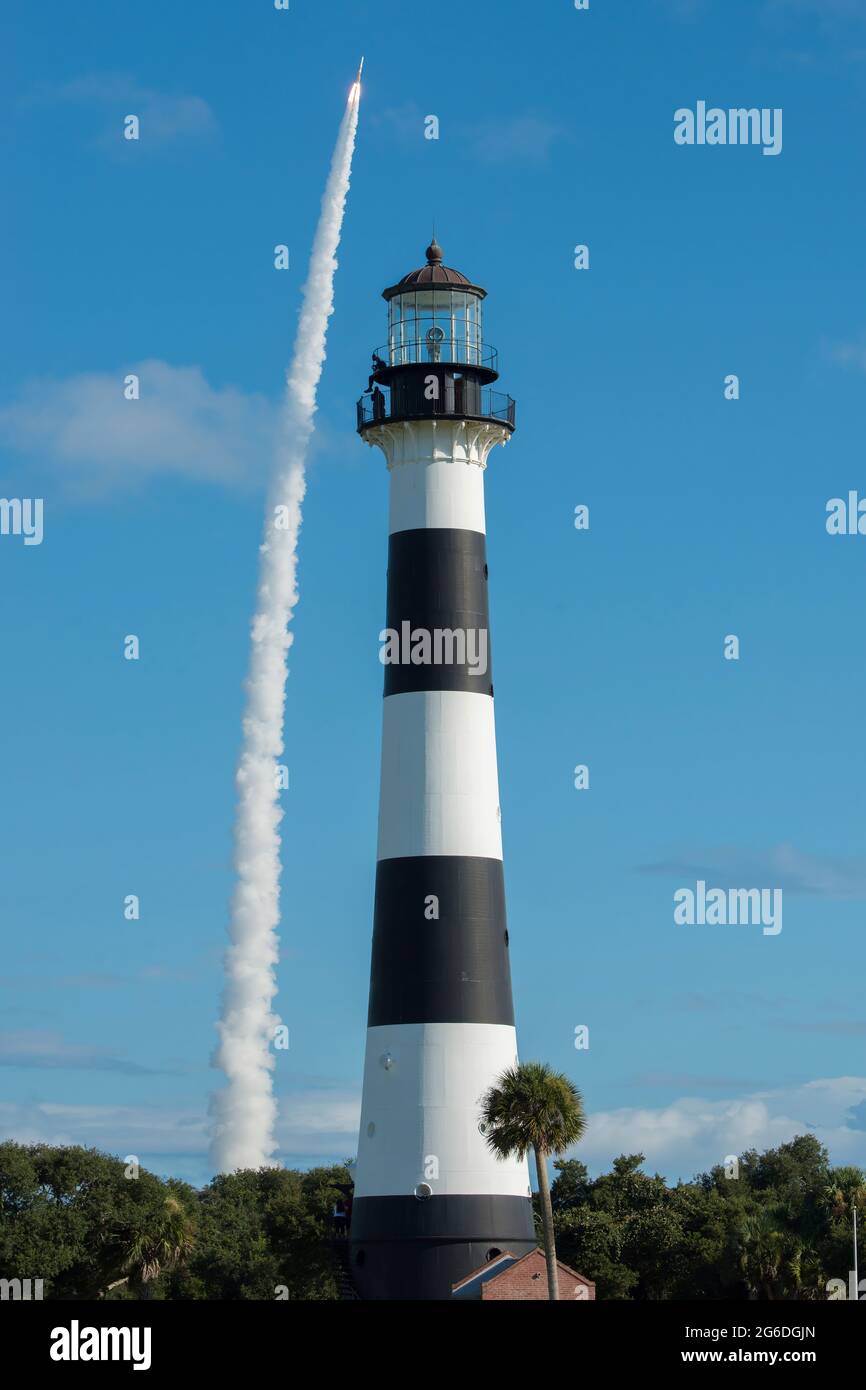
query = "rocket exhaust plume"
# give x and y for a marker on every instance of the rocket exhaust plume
(244, 1111)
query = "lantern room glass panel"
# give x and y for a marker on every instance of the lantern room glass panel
(434, 326)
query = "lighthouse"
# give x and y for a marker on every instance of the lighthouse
(431, 1202)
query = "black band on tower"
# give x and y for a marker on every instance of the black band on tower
(437, 581)
(403, 1248)
(453, 969)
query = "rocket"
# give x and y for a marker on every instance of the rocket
(360, 70)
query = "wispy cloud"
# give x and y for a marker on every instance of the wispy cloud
(164, 117)
(148, 974)
(313, 1120)
(98, 441)
(831, 1017)
(688, 1081)
(849, 354)
(120, 1129)
(699, 1002)
(693, 1133)
(781, 866)
(319, 1121)
(834, 1027)
(827, 33)
(49, 1052)
(523, 138)
(829, 13)
(89, 980)
(680, 1139)
(403, 123)
(686, 9)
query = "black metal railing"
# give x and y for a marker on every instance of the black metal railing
(425, 346)
(485, 404)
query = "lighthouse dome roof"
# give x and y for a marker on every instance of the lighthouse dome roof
(433, 275)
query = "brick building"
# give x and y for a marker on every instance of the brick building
(508, 1276)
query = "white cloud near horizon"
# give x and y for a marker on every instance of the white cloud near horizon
(84, 429)
(687, 1136)
(692, 1134)
(314, 1121)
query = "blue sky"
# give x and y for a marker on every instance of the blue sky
(707, 518)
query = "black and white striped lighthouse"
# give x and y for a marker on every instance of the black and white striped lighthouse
(431, 1202)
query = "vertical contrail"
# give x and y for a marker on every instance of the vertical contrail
(244, 1111)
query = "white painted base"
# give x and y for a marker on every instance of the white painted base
(440, 787)
(424, 1109)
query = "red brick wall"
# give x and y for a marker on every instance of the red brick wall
(528, 1280)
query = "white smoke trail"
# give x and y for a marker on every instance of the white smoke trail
(244, 1112)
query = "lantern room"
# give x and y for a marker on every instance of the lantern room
(435, 361)
(434, 315)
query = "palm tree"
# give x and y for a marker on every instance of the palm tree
(845, 1191)
(162, 1245)
(770, 1255)
(533, 1107)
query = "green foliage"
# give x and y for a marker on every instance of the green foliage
(71, 1217)
(780, 1230)
(261, 1231)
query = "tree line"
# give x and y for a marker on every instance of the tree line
(771, 1225)
(78, 1220)
(777, 1225)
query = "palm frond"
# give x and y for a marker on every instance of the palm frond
(532, 1108)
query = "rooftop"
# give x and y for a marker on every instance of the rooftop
(431, 275)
